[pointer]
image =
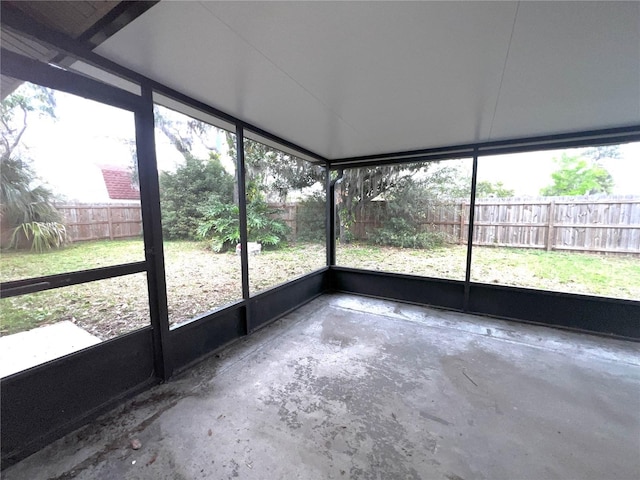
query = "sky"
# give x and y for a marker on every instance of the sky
(67, 154)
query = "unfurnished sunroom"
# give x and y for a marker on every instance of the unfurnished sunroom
(336, 234)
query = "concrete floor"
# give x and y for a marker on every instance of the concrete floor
(355, 388)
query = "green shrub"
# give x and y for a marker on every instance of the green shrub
(398, 232)
(221, 226)
(185, 192)
(262, 227)
(27, 210)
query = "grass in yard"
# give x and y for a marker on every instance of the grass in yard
(444, 262)
(18, 264)
(199, 280)
(273, 267)
(612, 275)
(615, 276)
(105, 308)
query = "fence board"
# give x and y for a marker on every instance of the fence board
(601, 224)
(101, 221)
(607, 224)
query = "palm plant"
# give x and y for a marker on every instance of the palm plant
(26, 208)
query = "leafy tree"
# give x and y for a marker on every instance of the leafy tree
(485, 189)
(26, 206)
(358, 187)
(185, 192)
(578, 176)
(602, 153)
(408, 190)
(182, 131)
(275, 172)
(199, 204)
(196, 183)
(405, 213)
(16, 109)
(445, 181)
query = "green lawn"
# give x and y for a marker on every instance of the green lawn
(615, 276)
(16, 265)
(612, 276)
(199, 280)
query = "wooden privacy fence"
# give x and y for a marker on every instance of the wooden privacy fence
(288, 213)
(608, 224)
(101, 221)
(591, 224)
(124, 220)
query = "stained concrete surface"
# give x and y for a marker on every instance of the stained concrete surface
(350, 387)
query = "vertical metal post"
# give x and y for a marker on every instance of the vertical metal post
(152, 234)
(331, 217)
(329, 226)
(472, 210)
(242, 212)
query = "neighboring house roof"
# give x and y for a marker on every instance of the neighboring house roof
(119, 184)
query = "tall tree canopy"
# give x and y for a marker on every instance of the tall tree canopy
(605, 152)
(407, 189)
(577, 175)
(274, 172)
(200, 200)
(485, 189)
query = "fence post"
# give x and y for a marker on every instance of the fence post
(110, 222)
(295, 222)
(462, 212)
(550, 225)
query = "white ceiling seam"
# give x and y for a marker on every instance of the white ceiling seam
(257, 49)
(163, 47)
(504, 68)
(374, 62)
(570, 68)
(351, 79)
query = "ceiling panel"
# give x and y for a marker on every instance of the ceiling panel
(355, 78)
(394, 72)
(211, 63)
(571, 67)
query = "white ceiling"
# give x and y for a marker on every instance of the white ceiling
(355, 78)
